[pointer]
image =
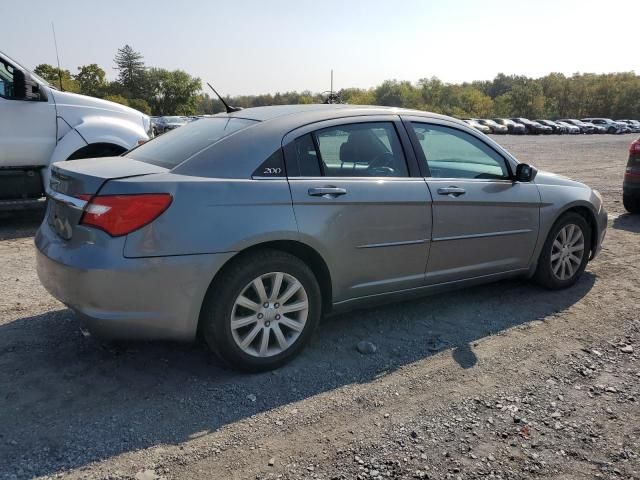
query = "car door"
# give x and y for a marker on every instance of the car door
(360, 204)
(27, 127)
(484, 223)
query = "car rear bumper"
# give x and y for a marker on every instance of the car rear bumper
(156, 298)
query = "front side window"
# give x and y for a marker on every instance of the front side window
(6, 79)
(452, 153)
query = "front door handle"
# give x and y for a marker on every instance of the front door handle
(452, 191)
(327, 192)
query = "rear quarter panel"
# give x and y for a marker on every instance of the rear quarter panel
(209, 215)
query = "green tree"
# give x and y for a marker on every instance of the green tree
(140, 105)
(172, 92)
(117, 99)
(92, 80)
(52, 75)
(131, 71)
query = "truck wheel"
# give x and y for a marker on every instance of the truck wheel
(96, 150)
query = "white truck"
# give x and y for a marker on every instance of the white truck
(40, 125)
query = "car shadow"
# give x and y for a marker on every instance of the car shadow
(20, 224)
(68, 399)
(627, 222)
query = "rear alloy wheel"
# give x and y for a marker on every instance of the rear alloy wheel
(265, 324)
(631, 203)
(261, 310)
(565, 253)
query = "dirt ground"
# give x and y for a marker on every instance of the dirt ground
(504, 381)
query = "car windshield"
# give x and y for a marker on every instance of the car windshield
(173, 119)
(173, 148)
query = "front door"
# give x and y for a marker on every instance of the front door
(357, 204)
(27, 127)
(483, 222)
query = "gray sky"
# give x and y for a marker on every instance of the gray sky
(251, 46)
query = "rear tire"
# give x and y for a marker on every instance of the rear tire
(565, 253)
(631, 203)
(247, 318)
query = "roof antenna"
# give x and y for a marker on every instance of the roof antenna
(331, 94)
(226, 106)
(55, 42)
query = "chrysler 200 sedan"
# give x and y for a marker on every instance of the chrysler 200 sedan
(247, 227)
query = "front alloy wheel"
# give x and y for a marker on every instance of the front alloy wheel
(567, 251)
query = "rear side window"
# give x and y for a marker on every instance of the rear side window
(173, 148)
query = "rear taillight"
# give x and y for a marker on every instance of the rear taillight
(635, 147)
(122, 214)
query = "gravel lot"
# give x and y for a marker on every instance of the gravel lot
(500, 381)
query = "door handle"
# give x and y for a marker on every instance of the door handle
(452, 191)
(327, 192)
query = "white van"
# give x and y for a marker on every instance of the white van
(40, 125)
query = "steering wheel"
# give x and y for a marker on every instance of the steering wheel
(380, 166)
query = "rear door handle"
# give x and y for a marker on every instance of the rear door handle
(452, 191)
(327, 192)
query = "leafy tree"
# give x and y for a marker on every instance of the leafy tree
(117, 99)
(52, 75)
(131, 71)
(140, 105)
(172, 92)
(92, 80)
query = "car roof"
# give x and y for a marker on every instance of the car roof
(321, 112)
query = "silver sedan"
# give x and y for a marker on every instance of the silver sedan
(247, 227)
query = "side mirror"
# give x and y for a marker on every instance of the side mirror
(24, 87)
(525, 173)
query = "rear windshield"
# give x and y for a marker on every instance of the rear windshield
(173, 148)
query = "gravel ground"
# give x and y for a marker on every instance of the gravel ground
(500, 381)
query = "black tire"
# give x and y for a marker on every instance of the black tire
(631, 203)
(215, 317)
(97, 150)
(544, 275)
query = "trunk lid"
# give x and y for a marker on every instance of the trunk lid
(74, 182)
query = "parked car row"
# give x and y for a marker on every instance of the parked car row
(164, 124)
(522, 126)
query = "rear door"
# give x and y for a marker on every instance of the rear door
(360, 201)
(484, 223)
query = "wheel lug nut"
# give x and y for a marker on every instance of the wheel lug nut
(277, 317)
(265, 305)
(260, 316)
(276, 305)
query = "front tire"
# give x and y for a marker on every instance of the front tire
(261, 311)
(565, 253)
(631, 203)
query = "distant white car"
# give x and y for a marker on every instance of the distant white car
(572, 129)
(40, 125)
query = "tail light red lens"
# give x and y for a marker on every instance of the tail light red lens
(122, 214)
(634, 147)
